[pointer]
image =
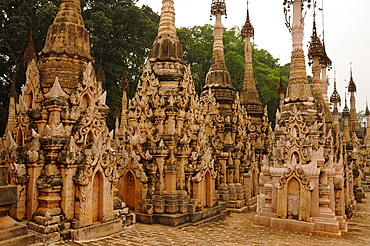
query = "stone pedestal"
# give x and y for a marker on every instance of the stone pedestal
(11, 232)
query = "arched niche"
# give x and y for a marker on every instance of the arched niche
(129, 190)
(294, 197)
(19, 137)
(85, 101)
(29, 99)
(89, 137)
(208, 189)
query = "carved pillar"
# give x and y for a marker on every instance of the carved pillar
(275, 175)
(315, 196)
(330, 172)
(68, 190)
(34, 171)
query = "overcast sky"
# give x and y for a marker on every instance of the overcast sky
(347, 33)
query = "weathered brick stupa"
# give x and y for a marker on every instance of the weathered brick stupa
(304, 187)
(166, 165)
(58, 148)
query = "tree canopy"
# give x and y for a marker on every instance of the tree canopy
(122, 35)
(197, 45)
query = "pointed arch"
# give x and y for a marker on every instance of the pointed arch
(85, 101)
(129, 189)
(208, 189)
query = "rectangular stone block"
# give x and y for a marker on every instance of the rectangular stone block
(8, 195)
(3, 175)
(172, 209)
(262, 220)
(289, 224)
(14, 231)
(47, 220)
(96, 230)
(159, 209)
(184, 209)
(43, 229)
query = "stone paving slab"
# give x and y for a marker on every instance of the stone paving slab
(236, 230)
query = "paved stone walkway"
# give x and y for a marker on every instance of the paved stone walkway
(238, 229)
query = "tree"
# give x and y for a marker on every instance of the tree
(17, 19)
(121, 37)
(197, 45)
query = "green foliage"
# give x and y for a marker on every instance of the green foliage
(197, 46)
(15, 25)
(121, 37)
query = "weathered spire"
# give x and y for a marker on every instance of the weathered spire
(68, 35)
(249, 94)
(67, 49)
(218, 73)
(281, 91)
(218, 77)
(353, 122)
(124, 86)
(367, 129)
(29, 52)
(298, 87)
(315, 55)
(335, 97)
(352, 85)
(167, 46)
(335, 100)
(346, 114)
(345, 109)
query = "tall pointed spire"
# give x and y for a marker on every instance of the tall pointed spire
(335, 100)
(29, 52)
(218, 77)
(315, 55)
(218, 73)
(167, 46)
(67, 48)
(281, 91)
(249, 94)
(367, 132)
(325, 63)
(298, 87)
(353, 122)
(345, 113)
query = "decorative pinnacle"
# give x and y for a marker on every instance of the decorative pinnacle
(248, 28)
(281, 89)
(335, 97)
(367, 112)
(29, 52)
(218, 6)
(352, 84)
(124, 82)
(345, 112)
(316, 48)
